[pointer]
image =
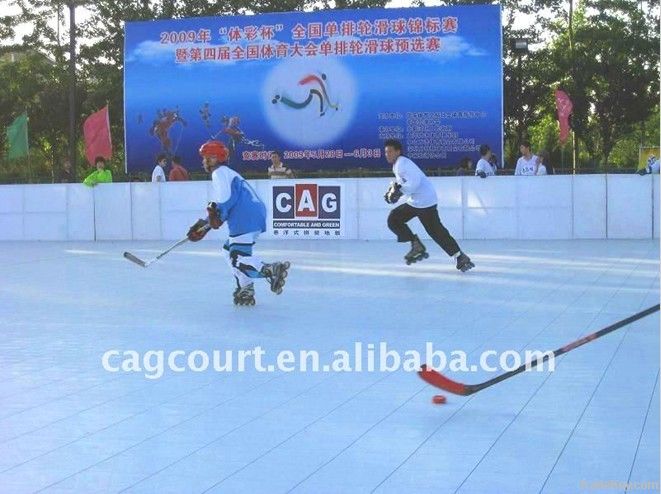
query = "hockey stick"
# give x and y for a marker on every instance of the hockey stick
(144, 264)
(440, 381)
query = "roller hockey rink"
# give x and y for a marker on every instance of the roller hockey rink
(68, 425)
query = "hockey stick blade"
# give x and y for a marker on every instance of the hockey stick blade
(135, 259)
(145, 264)
(438, 380)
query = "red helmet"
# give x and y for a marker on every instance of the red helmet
(216, 149)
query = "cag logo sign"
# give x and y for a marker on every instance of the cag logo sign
(306, 201)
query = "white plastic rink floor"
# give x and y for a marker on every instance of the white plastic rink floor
(68, 425)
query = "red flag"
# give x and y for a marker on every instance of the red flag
(565, 107)
(96, 131)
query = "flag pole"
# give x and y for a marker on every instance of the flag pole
(573, 152)
(27, 120)
(72, 85)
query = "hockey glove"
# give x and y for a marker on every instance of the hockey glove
(394, 193)
(198, 231)
(643, 171)
(214, 217)
(481, 174)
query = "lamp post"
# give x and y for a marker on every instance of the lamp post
(519, 47)
(72, 85)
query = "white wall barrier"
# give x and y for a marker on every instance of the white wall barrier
(11, 212)
(589, 203)
(655, 204)
(490, 209)
(553, 207)
(629, 207)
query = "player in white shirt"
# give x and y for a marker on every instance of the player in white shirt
(158, 174)
(483, 169)
(527, 163)
(421, 203)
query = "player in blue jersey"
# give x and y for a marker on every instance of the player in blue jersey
(236, 203)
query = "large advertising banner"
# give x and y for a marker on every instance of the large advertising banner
(323, 88)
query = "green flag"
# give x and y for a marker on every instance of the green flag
(17, 137)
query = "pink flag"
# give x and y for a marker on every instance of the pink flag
(96, 131)
(565, 107)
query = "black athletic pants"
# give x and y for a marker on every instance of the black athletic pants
(404, 213)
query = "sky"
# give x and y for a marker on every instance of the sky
(83, 14)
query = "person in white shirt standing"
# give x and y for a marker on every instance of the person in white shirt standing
(527, 163)
(158, 175)
(483, 169)
(542, 157)
(421, 203)
(278, 169)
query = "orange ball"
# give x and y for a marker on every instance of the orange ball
(439, 399)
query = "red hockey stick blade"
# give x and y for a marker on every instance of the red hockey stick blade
(135, 259)
(438, 380)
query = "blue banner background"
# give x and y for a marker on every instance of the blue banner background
(180, 89)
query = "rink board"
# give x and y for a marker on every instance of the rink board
(552, 207)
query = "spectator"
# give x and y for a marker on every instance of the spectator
(527, 163)
(653, 166)
(493, 161)
(543, 164)
(277, 168)
(66, 175)
(100, 175)
(178, 173)
(158, 175)
(483, 169)
(465, 167)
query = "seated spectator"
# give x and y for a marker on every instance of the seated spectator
(100, 175)
(465, 167)
(277, 168)
(483, 169)
(178, 173)
(543, 164)
(66, 175)
(158, 174)
(493, 161)
(653, 166)
(527, 163)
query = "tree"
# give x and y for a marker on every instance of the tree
(34, 83)
(610, 72)
(613, 76)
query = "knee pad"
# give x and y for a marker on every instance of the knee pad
(236, 251)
